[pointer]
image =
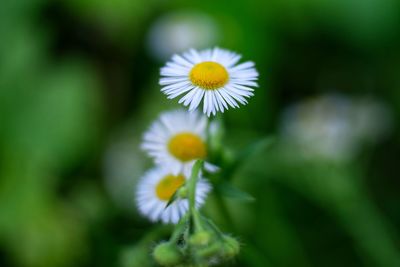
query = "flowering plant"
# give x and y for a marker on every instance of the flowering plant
(180, 144)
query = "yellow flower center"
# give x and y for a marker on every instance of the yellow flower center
(187, 146)
(209, 75)
(168, 185)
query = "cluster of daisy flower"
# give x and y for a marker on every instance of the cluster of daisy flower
(174, 141)
(175, 188)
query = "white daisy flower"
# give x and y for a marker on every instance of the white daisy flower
(210, 75)
(177, 139)
(157, 187)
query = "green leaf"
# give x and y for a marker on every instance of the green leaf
(248, 152)
(172, 199)
(254, 148)
(228, 190)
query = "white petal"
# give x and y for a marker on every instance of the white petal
(197, 97)
(180, 60)
(243, 66)
(166, 81)
(228, 98)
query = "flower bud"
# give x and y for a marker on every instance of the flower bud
(201, 238)
(167, 254)
(231, 247)
(183, 192)
(210, 251)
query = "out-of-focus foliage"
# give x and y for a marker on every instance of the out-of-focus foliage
(79, 85)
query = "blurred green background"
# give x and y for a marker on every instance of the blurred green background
(79, 85)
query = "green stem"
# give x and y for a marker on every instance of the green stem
(197, 220)
(179, 229)
(208, 133)
(214, 228)
(192, 192)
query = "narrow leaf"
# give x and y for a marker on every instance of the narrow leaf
(254, 148)
(172, 199)
(248, 152)
(228, 190)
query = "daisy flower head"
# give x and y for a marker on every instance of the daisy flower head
(157, 187)
(177, 139)
(212, 76)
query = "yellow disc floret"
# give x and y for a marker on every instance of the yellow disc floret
(209, 75)
(187, 146)
(168, 185)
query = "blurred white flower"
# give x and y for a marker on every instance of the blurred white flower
(179, 31)
(334, 127)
